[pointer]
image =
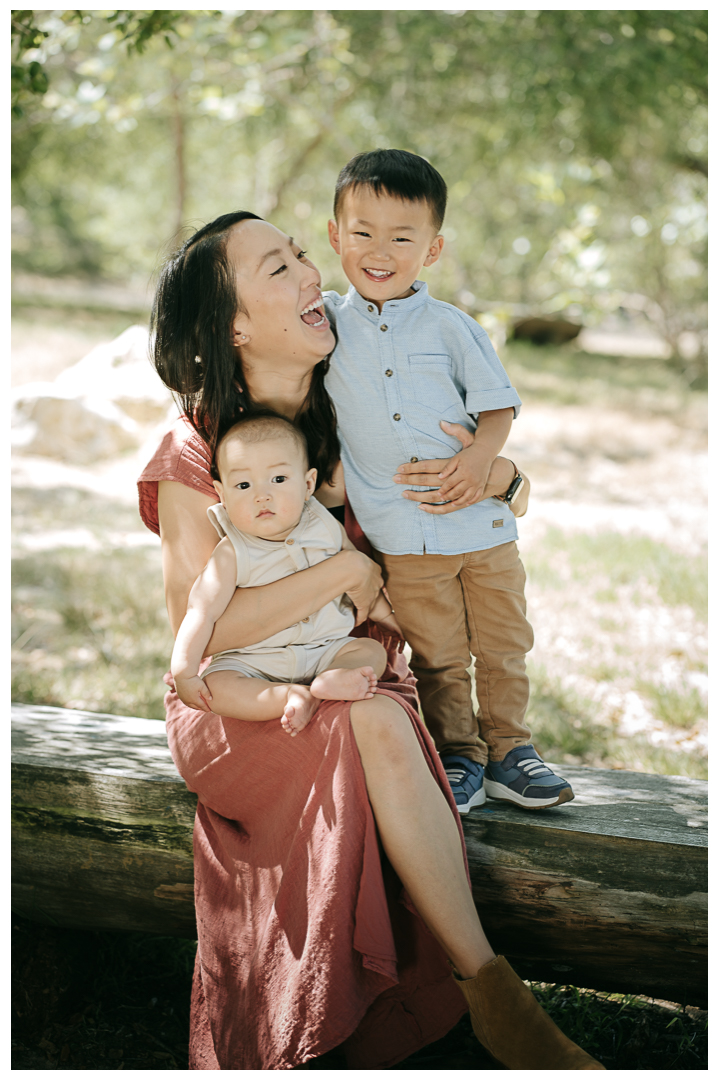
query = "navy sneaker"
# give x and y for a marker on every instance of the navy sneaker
(466, 781)
(523, 778)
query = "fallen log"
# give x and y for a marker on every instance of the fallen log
(608, 892)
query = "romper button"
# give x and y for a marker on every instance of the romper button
(383, 327)
(396, 416)
(388, 372)
(306, 620)
(289, 541)
(413, 459)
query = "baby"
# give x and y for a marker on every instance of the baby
(271, 526)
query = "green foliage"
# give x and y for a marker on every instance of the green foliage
(573, 142)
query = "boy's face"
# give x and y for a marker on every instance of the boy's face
(383, 242)
(264, 485)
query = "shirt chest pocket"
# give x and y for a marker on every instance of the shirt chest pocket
(432, 381)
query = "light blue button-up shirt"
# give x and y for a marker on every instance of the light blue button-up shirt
(394, 375)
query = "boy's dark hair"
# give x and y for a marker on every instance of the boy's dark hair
(398, 173)
(195, 305)
(259, 426)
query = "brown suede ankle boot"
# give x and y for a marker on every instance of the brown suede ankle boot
(510, 1023)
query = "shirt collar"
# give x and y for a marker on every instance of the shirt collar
(409, 303)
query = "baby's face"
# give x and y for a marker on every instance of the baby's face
(383, 243)
(264, 485)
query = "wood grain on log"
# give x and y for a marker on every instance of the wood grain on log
(608, 892)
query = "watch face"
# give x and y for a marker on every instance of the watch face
(513, 490)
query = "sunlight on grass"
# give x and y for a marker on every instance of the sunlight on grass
(565, 375)
(91, 631)
(681, 706)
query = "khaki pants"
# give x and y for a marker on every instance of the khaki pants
(452, 606)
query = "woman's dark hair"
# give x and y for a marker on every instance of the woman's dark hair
(398, 173)
(193, 312)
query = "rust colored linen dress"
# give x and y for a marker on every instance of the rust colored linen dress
(306, 939)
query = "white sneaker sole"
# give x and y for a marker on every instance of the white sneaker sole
(506, 794)
(478, 799)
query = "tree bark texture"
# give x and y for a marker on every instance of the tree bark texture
(608, 892)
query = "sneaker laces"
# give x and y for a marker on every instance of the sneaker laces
(533, 767)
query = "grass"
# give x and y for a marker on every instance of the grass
(682, 707)
(91, 631)
(612, 559)
(93, 1001)
(565, 375)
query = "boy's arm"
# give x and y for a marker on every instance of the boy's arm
(209, 596)
(465, 475)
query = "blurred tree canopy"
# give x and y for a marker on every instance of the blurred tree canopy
(574, 143)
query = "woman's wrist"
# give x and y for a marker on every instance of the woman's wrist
(502, 474)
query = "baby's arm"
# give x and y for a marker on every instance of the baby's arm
(381, 612)
(209, 596)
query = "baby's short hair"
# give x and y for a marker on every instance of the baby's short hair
(261, 426)
(398, 173)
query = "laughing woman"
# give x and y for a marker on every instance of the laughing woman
(331, 888)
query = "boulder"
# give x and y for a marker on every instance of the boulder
(546, 331)
(78, 430)
(95, 409)
(121, 371)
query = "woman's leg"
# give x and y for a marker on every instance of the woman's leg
(418, 830)
(421, 839)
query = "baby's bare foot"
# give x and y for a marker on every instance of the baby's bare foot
(299, 710)
(345, 684)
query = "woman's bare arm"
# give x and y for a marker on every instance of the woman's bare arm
(333, 494)
(188, 540)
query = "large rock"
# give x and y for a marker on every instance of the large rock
(78, 430)
(121, 371)
(95, 409)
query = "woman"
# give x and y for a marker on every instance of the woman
(308, 930)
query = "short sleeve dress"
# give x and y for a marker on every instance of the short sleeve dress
(306, 939)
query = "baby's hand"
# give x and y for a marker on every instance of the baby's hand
(194, 692)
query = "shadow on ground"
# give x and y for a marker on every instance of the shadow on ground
(89, 1000)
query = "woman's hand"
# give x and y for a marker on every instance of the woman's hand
(367, 583)
(435, 473)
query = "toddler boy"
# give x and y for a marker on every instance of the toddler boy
(404, 365)
(271, 526)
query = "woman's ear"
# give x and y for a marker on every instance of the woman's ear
(311, 481)
(240, 335)
(434, 253)
(218, 487)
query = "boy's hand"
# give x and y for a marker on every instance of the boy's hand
(462, 478)
(431, 473)
(194, 692)
(465, 476)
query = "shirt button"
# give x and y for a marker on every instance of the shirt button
(388, 372)
(413, 459)
(370, 307)
(396, 416)
(289, 541)
(383, 327)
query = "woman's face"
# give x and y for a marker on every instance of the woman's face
(279, 290)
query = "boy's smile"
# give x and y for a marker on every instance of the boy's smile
(383, 243)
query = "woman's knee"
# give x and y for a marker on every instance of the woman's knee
(383, 721)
